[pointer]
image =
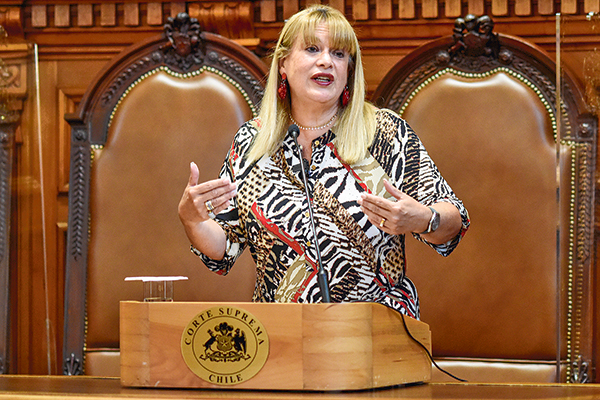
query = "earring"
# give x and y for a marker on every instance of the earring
(345, 96)
(282, 88)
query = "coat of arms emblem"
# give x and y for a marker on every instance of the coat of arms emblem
(225, 345)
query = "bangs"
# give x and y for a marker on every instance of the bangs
(341, 34)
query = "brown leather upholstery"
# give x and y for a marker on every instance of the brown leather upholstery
(141, 123)
(505, 174)
(496, 370)
(137, 180)
(498, 306)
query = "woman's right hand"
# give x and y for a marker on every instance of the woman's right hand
(199, 199)
(204, 234)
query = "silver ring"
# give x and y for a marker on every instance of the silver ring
(209, 206)
(211, 215)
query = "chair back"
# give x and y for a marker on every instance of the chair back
(510, 304)
(157, 107)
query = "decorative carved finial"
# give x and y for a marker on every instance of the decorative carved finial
(474, 37)
(580, 371)
(587, 126)
(72, 366)
(183, 48)
(79, 135)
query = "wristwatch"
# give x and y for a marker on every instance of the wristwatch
(434, 222)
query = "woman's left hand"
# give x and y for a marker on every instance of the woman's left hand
(403, 216)
(407, 215)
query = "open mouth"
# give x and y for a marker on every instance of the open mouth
(323, 78)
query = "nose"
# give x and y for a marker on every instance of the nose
(325, 59)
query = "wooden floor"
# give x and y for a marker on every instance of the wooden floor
(21, 387)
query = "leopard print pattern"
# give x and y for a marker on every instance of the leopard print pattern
(270, 216)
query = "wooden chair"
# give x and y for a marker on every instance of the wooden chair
(513, 302)
(155, 108)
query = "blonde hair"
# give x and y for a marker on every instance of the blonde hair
(355, 126)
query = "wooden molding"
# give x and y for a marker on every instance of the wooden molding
(13, 77)
(232, 19)
(10, 19)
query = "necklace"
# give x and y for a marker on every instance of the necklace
(313, 128)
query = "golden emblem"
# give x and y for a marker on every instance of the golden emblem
(225, 345)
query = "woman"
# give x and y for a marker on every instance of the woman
(370, 179)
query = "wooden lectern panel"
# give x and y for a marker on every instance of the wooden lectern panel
(340, 346)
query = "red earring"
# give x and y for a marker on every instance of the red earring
(345, 96)
(282, 88)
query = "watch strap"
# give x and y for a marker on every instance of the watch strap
(430, 225)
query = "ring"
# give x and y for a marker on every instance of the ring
(211, 215)
(382, 222)
(209, 206)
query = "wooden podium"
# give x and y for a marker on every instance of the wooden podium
(335, 346)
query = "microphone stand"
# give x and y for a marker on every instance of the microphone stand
(321, 274)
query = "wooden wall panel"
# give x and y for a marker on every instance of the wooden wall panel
(155, 14)
(39, 18)
(62, 15)
(568, 6)
(268, 11)
(591, 6)
(77, 38)
(406, 9)
(430, 8)
(290, 7)
(41, 273)
(453, 8)
(176, 8)
(131, 14)
(62, 85)
(85, 15)
(546, 7)
(476, 7)
(499, 7)
(360, 10)
(523, 7)
(108, 14)
(383, 9)
(337, 4)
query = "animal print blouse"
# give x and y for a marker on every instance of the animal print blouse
(363, 263)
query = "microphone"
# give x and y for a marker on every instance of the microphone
(321, 274)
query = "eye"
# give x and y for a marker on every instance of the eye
(339, 54)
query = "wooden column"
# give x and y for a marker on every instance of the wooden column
(13, 87)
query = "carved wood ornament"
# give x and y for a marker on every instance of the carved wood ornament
(474, 36)
(183, 35)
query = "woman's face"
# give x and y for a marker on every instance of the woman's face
(316, 72)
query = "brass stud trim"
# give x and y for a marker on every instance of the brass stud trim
(187, 75)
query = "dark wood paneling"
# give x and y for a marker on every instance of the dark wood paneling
(77, 37)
